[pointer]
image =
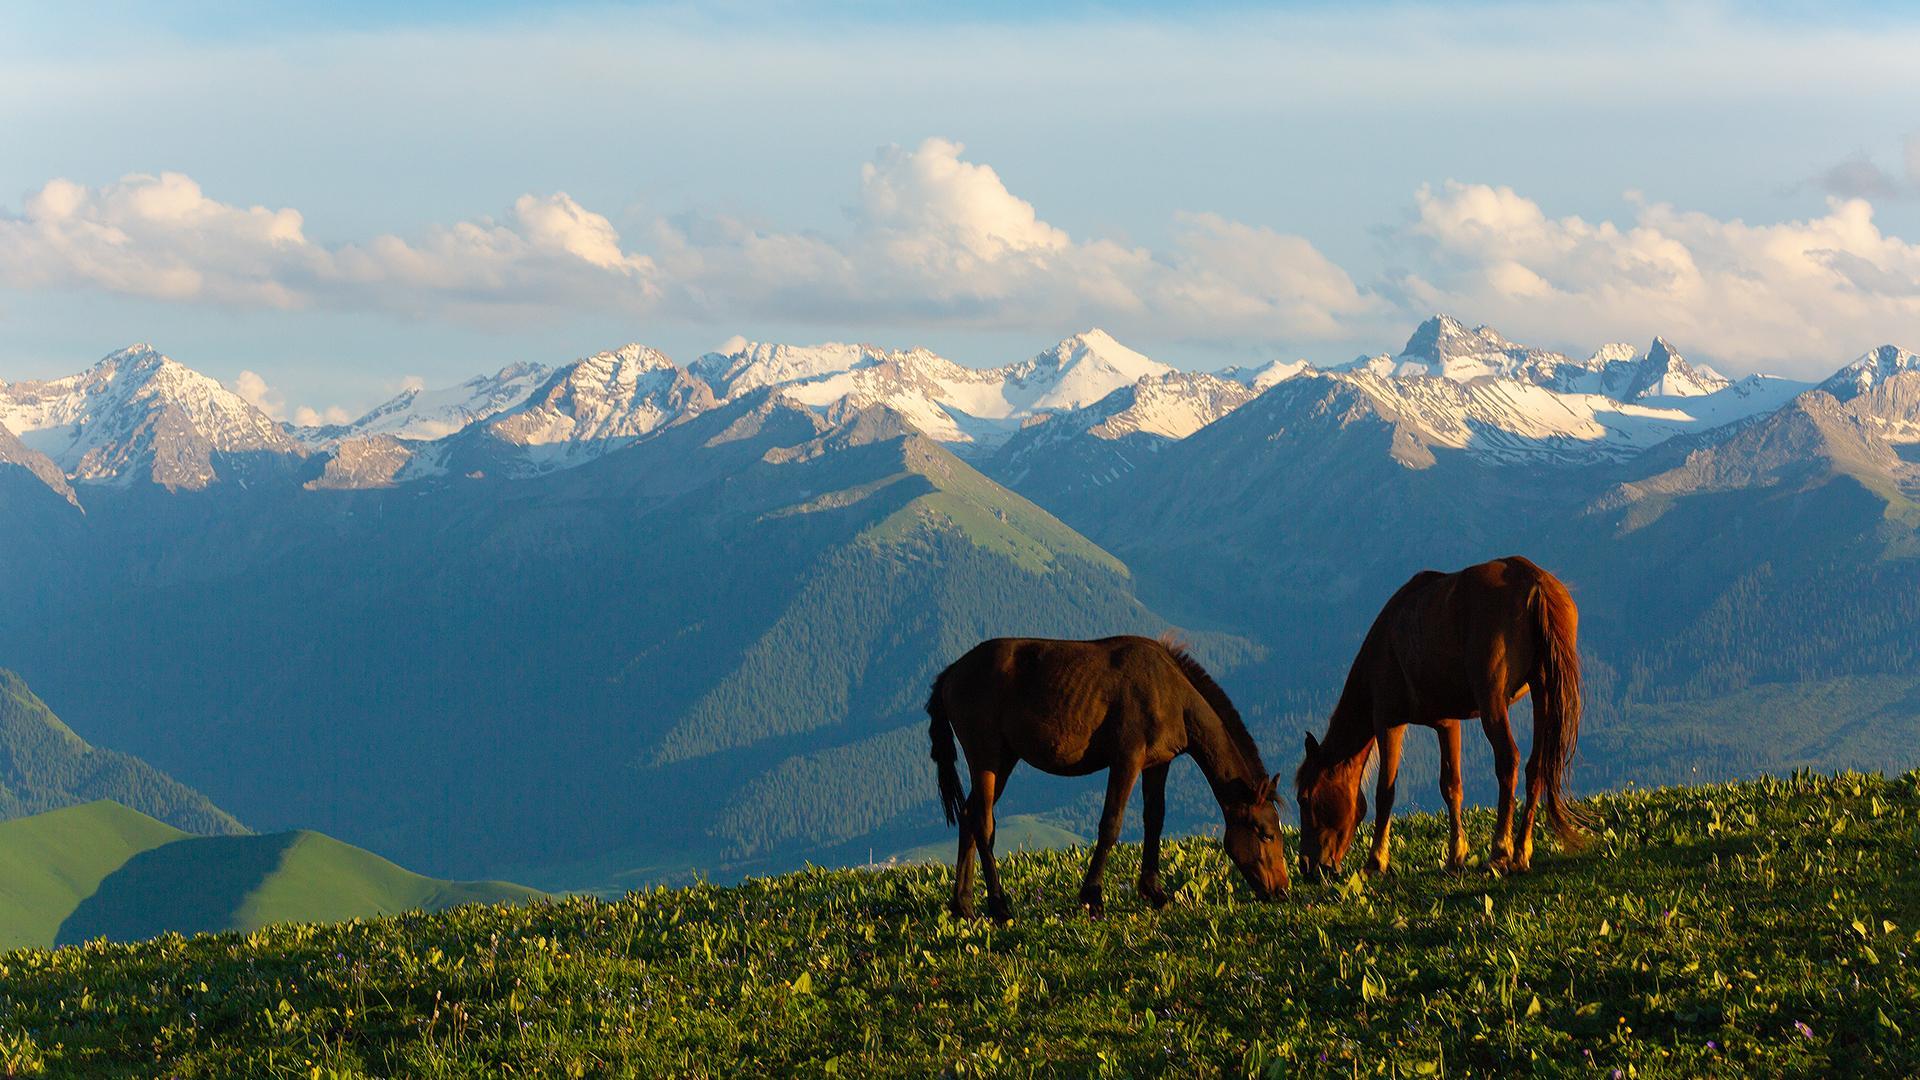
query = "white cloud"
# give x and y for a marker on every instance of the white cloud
(252, 387)
(1794, 296)
(937, 239)
(332, 414)
(161, 237)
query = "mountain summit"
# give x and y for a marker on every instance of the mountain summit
(138, 414)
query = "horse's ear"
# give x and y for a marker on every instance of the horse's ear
(1268, 787)
(1313, 745)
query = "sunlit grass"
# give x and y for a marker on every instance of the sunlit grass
(1749, 929)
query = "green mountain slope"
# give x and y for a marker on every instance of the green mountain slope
(44, 766)
(209, 884)
(103, 870)
(1761, 929)
(653, 657)
(50, 862)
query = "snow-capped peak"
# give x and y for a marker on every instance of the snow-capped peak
(137, 407)
(740, 366)
(597, 404)
(1443, 347)
(420, 413)
(1869, 371)
(1078, 371)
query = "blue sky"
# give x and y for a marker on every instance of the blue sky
(472, 185)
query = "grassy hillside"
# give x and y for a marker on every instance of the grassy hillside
(1765, 928)
(50, 862)
(246, 882)
(102, 870)
(45, 766)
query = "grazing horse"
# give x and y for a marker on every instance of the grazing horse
(1129, 705)
(1449, 647)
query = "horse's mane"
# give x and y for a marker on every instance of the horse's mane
(1217, 698)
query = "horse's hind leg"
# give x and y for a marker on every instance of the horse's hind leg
(1452, 790)
(986, 792)
(1506, 766)
(1523, 854)
(962, 905)
(1120, 780)
(1153, 816)
(1390, 739)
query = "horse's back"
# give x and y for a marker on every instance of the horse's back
(1447, 633)
(1057, 702)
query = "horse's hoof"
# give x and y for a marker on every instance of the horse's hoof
(1455, 866)
(1094, 905)
(960, 911)
(1153, 894)
(1001, 911)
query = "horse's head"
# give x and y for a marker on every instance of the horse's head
(1253, 841)
(1331, 809)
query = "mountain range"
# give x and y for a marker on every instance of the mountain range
(624, 619)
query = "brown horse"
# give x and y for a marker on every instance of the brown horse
(1129, 705)
(1449, 647)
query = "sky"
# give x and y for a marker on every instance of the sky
(318, 206)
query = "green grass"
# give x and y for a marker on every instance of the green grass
(50, 862)
(1764, 928)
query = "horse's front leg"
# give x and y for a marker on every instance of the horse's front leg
(1153, 815)
(1390, 739)
(1119, 786)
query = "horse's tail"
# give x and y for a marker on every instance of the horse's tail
(1556, 703)
(940, 733)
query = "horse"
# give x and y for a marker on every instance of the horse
(1129, 705)
(1445, 648)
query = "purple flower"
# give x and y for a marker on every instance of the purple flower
(1711, 1045)
(1801, 1027)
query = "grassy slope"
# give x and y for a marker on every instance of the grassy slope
(245, 882)
(50, 862)
(1762, 928)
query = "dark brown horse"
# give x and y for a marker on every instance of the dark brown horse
(1450, 647)
(1129, 705)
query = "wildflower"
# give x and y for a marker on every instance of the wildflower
(1711, 1045)
(1801, 1027)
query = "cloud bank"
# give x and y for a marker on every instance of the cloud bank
(932, 237)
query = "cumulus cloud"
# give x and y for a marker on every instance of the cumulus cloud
(161, 237)
(253, 388)
(1794, 295)
(938, 238)
(933, 237)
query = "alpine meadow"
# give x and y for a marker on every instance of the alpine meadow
(602, 539)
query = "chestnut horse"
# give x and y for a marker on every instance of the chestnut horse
(1129, 705)
(1449, 647)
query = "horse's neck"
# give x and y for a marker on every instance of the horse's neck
(1350, 729)
(1214, 750)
